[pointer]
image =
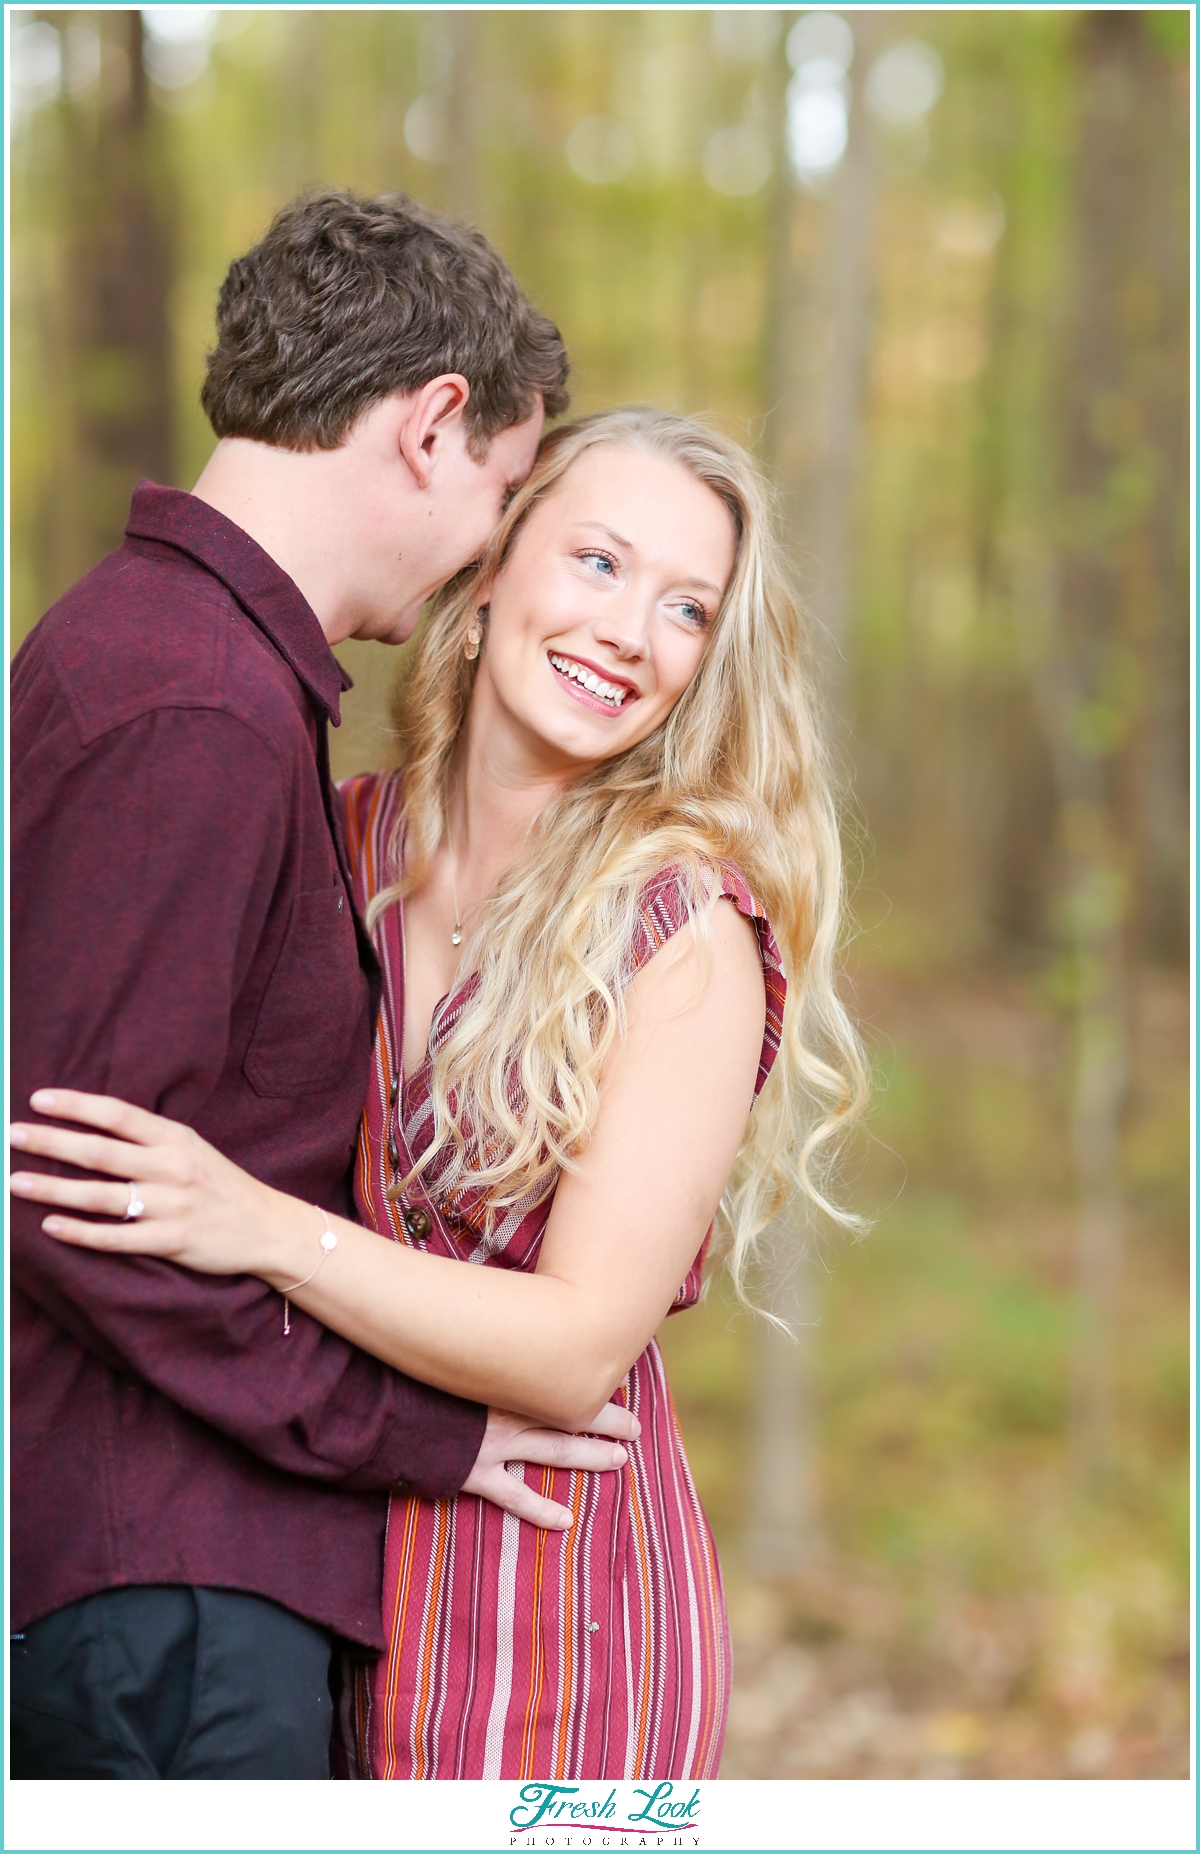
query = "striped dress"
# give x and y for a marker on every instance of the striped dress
(602, 1652)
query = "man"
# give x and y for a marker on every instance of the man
(199, 1496)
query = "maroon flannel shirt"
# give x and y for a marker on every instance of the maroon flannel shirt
(184, 936)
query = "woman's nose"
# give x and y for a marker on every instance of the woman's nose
(624, 627)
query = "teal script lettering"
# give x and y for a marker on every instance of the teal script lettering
(542, 1802)
(663, 1809)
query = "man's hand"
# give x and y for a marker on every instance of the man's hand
(515, 1438)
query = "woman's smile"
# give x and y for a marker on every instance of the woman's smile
(585, 684)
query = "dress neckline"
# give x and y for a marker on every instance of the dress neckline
(406, 1082)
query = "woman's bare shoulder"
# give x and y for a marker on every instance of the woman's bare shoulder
(727, 957)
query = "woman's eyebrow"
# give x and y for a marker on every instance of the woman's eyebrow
(612, 534)
(702, 585)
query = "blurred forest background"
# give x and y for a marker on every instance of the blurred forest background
(933, 266)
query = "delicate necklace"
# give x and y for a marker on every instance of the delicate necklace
(456, 936)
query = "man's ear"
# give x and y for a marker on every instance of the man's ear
(432, 418)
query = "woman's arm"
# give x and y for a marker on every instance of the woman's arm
(622, 1232)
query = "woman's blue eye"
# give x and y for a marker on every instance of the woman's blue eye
(696, 614)
(599, 560)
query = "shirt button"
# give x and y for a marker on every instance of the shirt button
(394, 1091)
(393, 1153)
(417, 1223)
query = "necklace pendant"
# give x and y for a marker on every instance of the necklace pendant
(456, 936)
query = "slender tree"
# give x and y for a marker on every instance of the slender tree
(812, 431)
(119, 271)
(1110, 590)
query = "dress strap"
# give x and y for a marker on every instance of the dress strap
(663, 910)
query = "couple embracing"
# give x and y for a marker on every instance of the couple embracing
(286, 1475)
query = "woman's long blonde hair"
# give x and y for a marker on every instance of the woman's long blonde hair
(736, 773)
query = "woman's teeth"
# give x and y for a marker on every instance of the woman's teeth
(588, 679)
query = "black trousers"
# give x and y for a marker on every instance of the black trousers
(171, 1681)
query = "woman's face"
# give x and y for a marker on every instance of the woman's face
(601, 615)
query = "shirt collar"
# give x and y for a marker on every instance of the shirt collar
(274, 601)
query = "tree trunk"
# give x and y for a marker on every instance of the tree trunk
(120, 271)
(465, 202)
(1096, 923)
(784, 1535)
(811, 438)
(839, 409)
(1104, 599)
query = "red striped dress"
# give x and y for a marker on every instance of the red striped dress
(601, 1652)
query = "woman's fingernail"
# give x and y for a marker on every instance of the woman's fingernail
(17, 1136)
(52, 1225)
(20, 1181)
(566, 1521)
(42, 1099)
(620, 1457)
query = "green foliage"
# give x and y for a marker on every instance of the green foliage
(1169, 32)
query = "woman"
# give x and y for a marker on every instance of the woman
(606, 732)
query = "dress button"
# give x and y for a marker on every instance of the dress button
(394, 1090)
(417, 1223)
(393, 1153)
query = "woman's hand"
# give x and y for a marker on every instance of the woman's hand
(509, 1437)
(206, 1213)
(198, 1208)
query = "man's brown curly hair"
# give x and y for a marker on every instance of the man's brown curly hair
(347, 299)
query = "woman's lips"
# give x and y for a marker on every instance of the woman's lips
(589, 688)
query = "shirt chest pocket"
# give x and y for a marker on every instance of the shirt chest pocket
(313, 1012)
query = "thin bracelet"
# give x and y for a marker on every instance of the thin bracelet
(329, 1243)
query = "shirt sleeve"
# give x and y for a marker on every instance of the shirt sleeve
(143, 866)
